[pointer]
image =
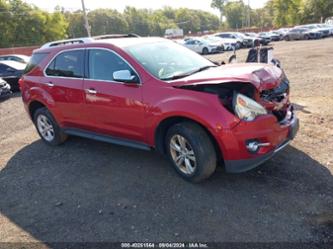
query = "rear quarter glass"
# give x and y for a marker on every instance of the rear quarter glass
(35, 59)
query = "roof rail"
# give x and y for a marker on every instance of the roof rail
(67, 42)
(112, 36)
(87, 39)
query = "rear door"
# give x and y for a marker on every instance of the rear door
(198, 46)
(64, 82)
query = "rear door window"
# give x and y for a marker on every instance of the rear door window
(35, 59)
(67, 64)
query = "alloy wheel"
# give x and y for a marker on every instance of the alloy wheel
(182, 154)
(45, 128)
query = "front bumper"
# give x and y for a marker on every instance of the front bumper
(216, 49)
(238, 166)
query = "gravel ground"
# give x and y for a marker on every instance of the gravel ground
(91, 191)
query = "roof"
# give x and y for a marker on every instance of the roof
(127, 42)
(118, 42)
(87, 39)
(14, 64)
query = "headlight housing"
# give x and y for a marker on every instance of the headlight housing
(247, 109)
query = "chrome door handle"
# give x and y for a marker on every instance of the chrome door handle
(91, 91)
(50, 84)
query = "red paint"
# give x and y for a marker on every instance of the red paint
(135, 111)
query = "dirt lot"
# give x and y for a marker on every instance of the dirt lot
(92, 191)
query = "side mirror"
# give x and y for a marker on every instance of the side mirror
(124, 76)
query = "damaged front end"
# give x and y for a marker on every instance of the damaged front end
(245, 101)
(260, 101)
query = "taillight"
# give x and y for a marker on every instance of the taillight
(21, 82)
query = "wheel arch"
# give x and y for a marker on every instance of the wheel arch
(165, 124)
(33, 106)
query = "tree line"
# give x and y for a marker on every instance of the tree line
(23, 24)
(275, 13)
(143, 22)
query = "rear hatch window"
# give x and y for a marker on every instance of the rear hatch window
(35, 59)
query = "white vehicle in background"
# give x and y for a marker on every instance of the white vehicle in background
(227, 44)
(329, 21)
(203, 46)
(230, 35)
(173, 33)
(327, 26)
(283, 31)
(15, 57)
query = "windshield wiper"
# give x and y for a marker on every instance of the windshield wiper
(183, 75)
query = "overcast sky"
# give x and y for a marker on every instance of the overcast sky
(120, 4)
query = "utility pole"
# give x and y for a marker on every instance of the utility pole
(86, 23)
(249, 17)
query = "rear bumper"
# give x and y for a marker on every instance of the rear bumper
(243, 165)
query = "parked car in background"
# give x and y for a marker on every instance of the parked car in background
(282, 31)
(11, 71)
(4, 89)
(329, 21)
(302, 34)
(15, 57)
(203, 46)
(325, 32)
(246, 41)
(227, 44)
(173, 33)
(230, 35)
(254, 38)
(327, 26)
(275, 36)
(266, 38)
(152, 93)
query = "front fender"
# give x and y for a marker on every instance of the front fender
(203, 108)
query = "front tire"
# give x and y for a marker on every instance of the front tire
(47, 127)
(191, 151)
(205, 51)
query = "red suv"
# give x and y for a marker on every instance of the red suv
(151, 93)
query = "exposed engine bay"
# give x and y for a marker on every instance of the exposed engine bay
(275, 101)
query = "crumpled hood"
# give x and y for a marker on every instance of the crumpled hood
(262, 76)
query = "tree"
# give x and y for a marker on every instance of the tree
(107, 21)
(219, 4)
(235, 14)
(316, 10)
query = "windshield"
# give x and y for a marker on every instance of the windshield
(167, 60)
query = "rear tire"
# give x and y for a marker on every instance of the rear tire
(47, 127)
(191, 151)
(205, 51)
(287, 38)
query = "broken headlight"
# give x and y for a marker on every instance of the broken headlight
(247, 109)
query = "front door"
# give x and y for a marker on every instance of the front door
(114, 107)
